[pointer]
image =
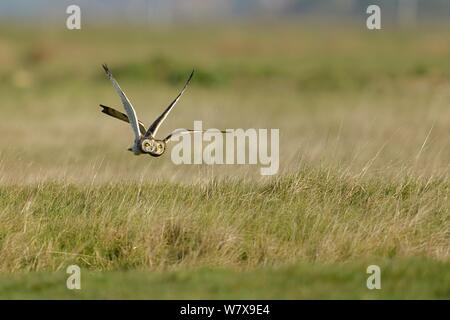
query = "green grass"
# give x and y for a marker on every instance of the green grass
(311, 216)
(400, 279)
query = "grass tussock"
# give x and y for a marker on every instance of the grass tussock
(309, 216)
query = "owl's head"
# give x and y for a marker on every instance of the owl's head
(153, 147)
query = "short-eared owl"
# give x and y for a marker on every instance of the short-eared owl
(144, 139)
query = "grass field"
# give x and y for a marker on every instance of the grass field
(302, 281)
(364, 124)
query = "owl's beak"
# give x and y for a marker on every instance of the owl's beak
(129, 149)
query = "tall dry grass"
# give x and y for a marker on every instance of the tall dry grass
(314, 215)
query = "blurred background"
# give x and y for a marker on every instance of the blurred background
(176, 11)
(368, 102)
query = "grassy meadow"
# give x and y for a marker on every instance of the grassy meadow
(364, 123)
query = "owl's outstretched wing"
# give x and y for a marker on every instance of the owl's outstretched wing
(126, 104)
(157, 123)
(121, 116)
(179, 132)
